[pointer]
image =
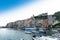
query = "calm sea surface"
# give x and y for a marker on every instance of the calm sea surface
(11, 34)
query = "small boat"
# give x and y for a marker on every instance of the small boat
(27, 32)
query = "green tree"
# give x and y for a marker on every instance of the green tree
(54, 26)
(57, 15)
(49, 30)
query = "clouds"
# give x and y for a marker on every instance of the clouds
(26, 11)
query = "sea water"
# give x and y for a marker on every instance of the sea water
(11, 34)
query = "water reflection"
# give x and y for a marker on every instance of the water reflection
(10, 34)
(3, 30)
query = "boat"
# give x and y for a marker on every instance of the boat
(27, 32)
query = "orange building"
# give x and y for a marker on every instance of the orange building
(45, 23)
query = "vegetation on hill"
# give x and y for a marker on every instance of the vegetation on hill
(57, 15)
(56, 25)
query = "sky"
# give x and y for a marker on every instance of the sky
(13, 10)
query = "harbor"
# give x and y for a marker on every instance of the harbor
(29, 19)
(12, 34)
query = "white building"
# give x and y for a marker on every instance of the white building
(51, 19)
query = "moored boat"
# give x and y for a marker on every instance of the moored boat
(27, 32)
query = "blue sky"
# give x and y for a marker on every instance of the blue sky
(8, 7)
(8, 4)
(13, 10)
